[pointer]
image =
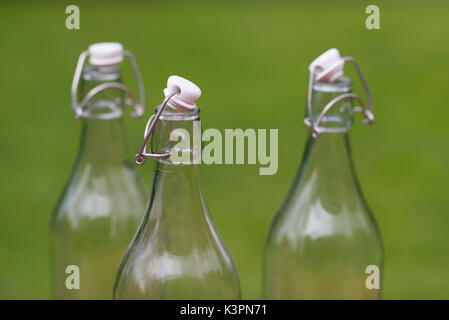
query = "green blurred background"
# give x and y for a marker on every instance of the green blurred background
(250, 59)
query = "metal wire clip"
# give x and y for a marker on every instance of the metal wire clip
(78, 107)
(141, 157)
(367, 112)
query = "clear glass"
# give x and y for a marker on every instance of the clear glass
(324, 236)
(177, 253)
(104, 200)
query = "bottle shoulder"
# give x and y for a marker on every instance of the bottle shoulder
(318, 208)
(109, 193)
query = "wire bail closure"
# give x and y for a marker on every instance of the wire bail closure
(142, 156)
(78, 107)
(368, 113)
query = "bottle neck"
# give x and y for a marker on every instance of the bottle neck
(328, 159)
(179, 182)
(103, 142)
(177, 214)
(105, 104)
(178, 133)
(103, 139)
(339, 117)
(176, 204)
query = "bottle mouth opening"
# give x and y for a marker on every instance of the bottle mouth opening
(342, 84)
(175, 115)
(101, 73)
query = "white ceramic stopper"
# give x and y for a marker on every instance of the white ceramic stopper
(328, 67)
(188, 93)
(105, 53)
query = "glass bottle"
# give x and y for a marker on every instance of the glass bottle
(324, 236)
(103, 202)
(177, 253)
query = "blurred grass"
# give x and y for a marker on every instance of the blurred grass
(250, 59)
